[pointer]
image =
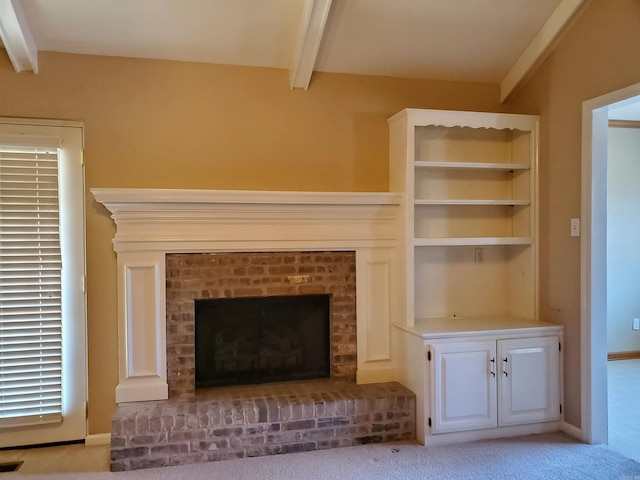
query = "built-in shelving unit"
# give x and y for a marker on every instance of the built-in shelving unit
(469, 184)
(469, 341)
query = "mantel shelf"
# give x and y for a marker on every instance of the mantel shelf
(150, 198)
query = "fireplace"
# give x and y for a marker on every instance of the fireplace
(194, 280)
(178, 247)
(255, 340)
(156, 348)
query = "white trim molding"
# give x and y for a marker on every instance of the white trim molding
(95, 439)
(541, 46)
(593, 261)
(151, 223)
(312, 23)
(16, 36)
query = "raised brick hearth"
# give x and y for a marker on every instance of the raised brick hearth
(237, 422)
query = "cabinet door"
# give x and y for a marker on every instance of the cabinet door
(529, 386)
(463, 386)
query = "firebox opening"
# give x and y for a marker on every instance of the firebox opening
(253, 340)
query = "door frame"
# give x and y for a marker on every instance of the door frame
(74, 300)
(593, 262)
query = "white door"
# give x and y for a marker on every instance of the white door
(463, 386)
(529, 386)
(42, 268)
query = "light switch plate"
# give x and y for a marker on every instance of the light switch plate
(575, 227)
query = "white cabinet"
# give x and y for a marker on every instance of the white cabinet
(529, 380)
(463, 386)
(469, 212)
(487, 383)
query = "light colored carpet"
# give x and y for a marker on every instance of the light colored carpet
(548, 456)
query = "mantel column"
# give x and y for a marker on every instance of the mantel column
(141, 327)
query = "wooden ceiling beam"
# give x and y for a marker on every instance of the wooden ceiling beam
(541, 46)
(16, 36)
(312, 23)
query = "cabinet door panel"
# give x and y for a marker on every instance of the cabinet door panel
(529, 388)
(463, 386)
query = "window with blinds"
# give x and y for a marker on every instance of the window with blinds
(30, 287)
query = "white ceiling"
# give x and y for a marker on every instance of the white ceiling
(489, 41)
(464, 40)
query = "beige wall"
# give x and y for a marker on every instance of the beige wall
(599, 54)
(183, 125)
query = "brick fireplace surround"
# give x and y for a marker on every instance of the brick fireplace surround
(212, 244)
(194, 276)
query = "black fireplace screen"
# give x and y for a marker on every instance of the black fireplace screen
(261, 339)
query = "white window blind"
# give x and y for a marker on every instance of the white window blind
(30, 284)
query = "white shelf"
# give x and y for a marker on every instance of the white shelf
(456, 201)
(475, 325)
(471, 241)
(472, 165)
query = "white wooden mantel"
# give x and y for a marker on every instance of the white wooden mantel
(151, 223)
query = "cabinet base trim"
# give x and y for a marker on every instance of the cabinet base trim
(491, 433)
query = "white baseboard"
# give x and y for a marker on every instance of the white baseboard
(490, 433)
(97, 439)
(572, 431)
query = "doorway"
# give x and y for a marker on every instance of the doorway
(593, 290)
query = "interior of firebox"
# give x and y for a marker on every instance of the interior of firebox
(253, 340)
